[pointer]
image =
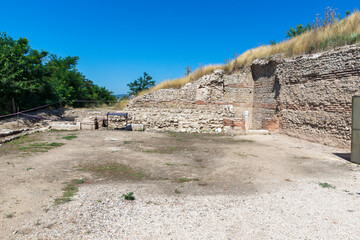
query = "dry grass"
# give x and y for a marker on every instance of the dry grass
(180, 82)
(344, 32)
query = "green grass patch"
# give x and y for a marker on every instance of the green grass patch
(113, 171)
(40, 147)
(176, 165)
(69, 191)
(128, 142)
(70, 137)
(182, 180)
(244, 155)
(177, 191)
(10, 215)
(22, 140)
(326, 185)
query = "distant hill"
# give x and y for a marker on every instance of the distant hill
(119, 95)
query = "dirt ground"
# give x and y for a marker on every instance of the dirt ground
(37, 171)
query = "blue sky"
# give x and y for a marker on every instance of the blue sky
(118, 40)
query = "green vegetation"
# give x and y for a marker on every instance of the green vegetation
(326, 185)
(69, 191)
(113, 171)
(70, 137)
(177, 191)
(10, 215)
(140, 84)
(40, 147)
(182, 180)
(129, 196)
(32, 78)
(176, 165)
(325, 34)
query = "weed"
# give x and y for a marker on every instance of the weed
(326, 185)
(129, 196)
(176, 165)
(78, 181)
(70, 137)
(127, 142)
(30, 168)
(37, 222)
(151, 202)
(243, 155)
(10, 215)
(99, 200)
(177, 191)
(182, 180)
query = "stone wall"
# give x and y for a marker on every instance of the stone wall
(266, 93)
(316, 94)
(214, 103)
(308, 97)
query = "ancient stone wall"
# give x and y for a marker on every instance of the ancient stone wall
(214, 103)
(316, 93)
(308, 97)
(266, 93)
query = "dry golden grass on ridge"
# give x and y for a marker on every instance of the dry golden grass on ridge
(344, 32)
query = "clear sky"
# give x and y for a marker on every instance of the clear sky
(118, 40)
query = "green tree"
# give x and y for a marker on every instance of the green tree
(33, 78)
(300, 29)
(347, 13)
(140, 84)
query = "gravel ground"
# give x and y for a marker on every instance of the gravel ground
(297, 210)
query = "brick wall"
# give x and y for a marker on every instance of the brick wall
(316, 93)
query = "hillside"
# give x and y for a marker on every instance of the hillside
(327, 37)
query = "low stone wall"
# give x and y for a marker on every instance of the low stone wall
(214, 103)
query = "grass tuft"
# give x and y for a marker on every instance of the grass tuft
(326, 185)
(129, 196)
(70, 137)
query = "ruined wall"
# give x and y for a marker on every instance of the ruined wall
(213, 103)
(266, 93)
(308, 97)
(316, 93)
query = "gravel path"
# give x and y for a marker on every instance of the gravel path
(297, 210)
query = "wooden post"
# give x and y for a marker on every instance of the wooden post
(107, 125)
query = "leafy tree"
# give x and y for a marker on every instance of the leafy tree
(273, 42)
(33, 78)
(300, 29)
(347, 13)
(140, 84)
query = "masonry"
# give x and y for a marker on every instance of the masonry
(307, 96)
